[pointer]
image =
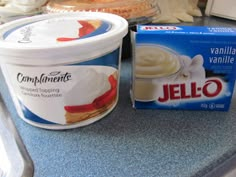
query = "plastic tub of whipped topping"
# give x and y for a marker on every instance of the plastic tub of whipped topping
(183, 67)
(62, 70)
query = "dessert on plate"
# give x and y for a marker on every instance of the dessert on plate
(98, 106)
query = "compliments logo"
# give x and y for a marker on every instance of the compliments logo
(52, 77)
(159, 28)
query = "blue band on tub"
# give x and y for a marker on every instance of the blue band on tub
(33, 117)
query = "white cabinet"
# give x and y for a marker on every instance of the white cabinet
(222, 8)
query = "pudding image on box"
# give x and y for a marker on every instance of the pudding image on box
(153, 62)
(183, 67)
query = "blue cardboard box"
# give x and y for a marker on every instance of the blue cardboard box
(183, 67)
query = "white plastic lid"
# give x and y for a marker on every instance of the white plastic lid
(55, 39)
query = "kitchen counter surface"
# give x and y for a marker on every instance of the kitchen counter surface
(131, 142)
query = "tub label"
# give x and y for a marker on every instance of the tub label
(56, 31)
(65, 94)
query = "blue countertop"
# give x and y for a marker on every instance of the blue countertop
(131, 142)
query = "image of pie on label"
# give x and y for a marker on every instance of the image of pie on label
(95, 104)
